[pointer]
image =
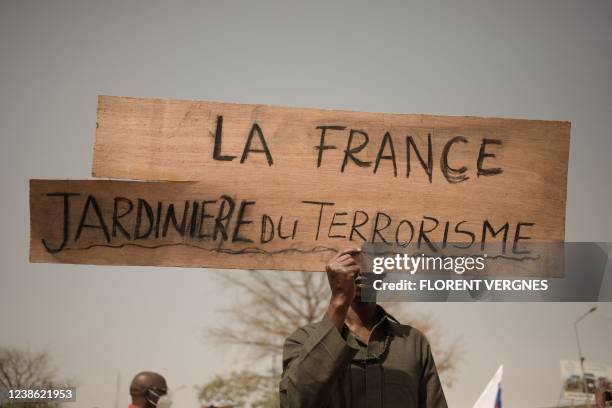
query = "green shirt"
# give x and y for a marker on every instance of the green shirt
(323, 368)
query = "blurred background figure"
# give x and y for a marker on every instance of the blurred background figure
(149, 390)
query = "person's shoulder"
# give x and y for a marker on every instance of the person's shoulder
(407, 332)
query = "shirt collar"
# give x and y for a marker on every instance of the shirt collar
(379, 338)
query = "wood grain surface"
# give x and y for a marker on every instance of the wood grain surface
(344, 177)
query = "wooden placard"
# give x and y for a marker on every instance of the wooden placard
(336, 178)
(211, 225)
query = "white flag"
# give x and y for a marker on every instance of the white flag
(491, 396)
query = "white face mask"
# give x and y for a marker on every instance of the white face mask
(163, 401)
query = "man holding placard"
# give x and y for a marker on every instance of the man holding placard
(357, 355)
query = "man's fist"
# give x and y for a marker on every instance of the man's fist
(342, 270)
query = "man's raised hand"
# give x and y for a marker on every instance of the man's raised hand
(342, 270)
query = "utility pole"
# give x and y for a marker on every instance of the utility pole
(117, 389)
(582, 358)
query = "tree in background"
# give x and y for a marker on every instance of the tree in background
(25, 369)
(273, 304)
(241, 389)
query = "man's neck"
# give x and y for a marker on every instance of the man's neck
(362, 315)
(138, 402)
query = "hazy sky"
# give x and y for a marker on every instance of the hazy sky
(522, 59)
